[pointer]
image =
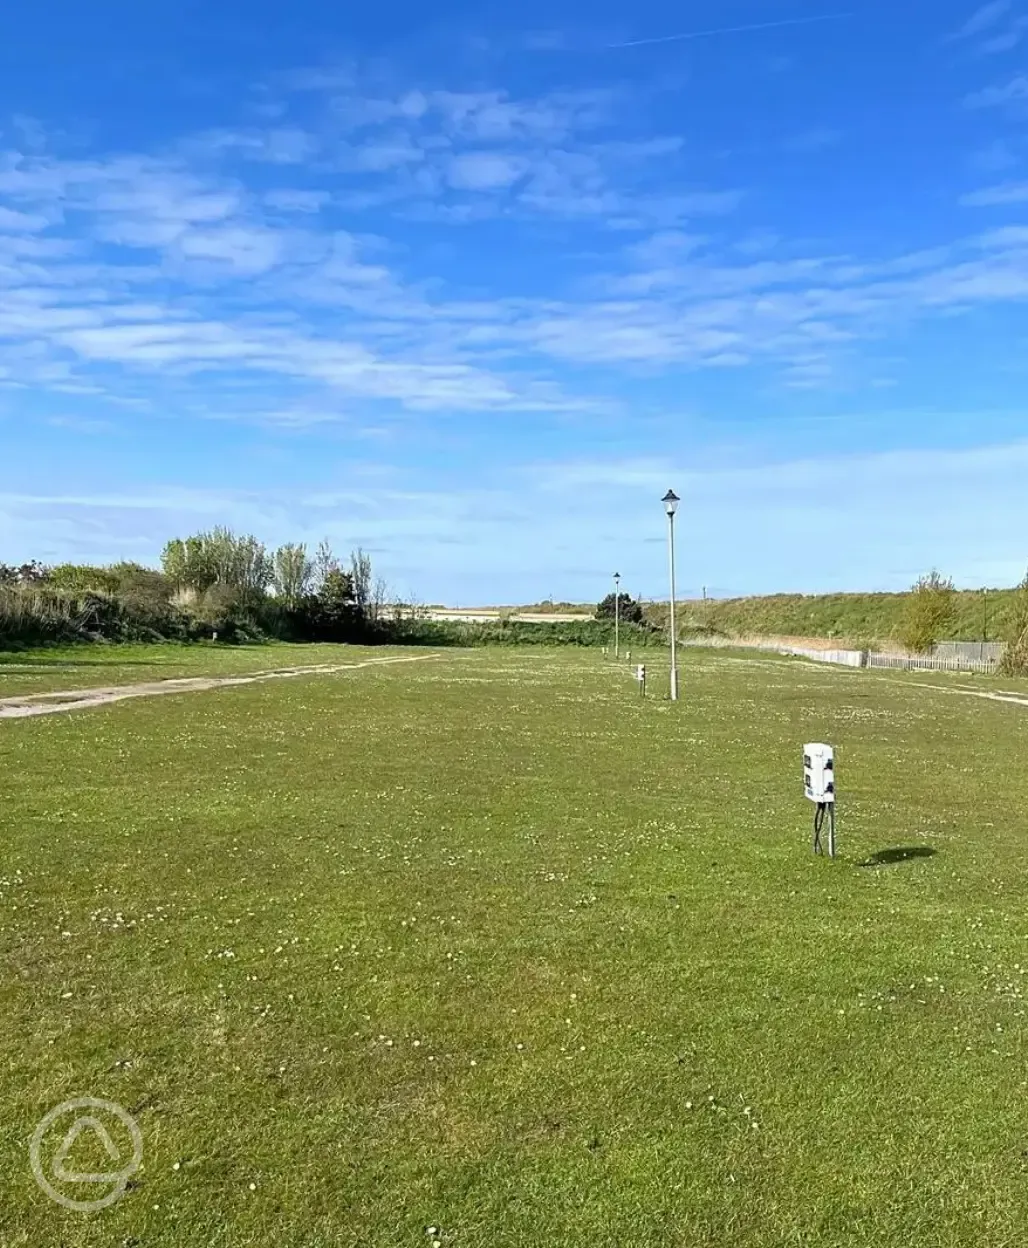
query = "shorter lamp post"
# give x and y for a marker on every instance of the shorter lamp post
(617, 615)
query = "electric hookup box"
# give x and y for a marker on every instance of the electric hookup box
(819, 772)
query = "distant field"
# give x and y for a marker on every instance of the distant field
(493, 945)
(487, 615)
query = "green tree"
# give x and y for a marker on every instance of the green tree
(361, 580)
(188, 563)
(336, 609)
(220, 557)
(293, 573)
(324, 562)
(930, 609)
(629, 611)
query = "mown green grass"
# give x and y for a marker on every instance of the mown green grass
(491, 944)
(87, 666)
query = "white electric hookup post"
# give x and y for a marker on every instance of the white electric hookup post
(640, 675)
(819, 788)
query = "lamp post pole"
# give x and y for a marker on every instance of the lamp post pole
(671, 502)
(617, 615)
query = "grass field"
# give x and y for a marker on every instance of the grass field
(489, 944)
(86, 666)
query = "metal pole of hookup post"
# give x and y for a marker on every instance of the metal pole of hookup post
(671, 501)
(617, 615)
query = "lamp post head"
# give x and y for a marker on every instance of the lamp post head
(617, 577)
(670, 501)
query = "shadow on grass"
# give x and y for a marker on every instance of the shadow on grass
(888, 857)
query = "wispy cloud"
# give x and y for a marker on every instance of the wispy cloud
(992, 29)
(984, 18)
(1009, 93)
(192, 277)
(733, 30)
(994, 196)
(1006, 40)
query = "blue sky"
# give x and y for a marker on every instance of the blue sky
(471, 285)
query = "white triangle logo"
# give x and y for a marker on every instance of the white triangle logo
(87, 1123)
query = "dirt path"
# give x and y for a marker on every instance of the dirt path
(29, 704)
(1004, 695)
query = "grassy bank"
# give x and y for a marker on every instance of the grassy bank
(844, 617)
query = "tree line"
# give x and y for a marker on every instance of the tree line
(213, 584)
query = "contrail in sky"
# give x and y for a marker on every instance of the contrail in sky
(734, 30)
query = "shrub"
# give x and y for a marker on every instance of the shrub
(1015, 656)
(930, 611)
(80, 578)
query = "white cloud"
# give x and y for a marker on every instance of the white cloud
(991, 196)
(1013, 92)
(1007, 40)
(384, 155)
(983, 19)
(484, 171)
(291, 200)
(20, 222)
(242, 250)
(186, 271)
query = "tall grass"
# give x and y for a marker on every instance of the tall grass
(851, 618)
(29, 615)
(33, 615)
